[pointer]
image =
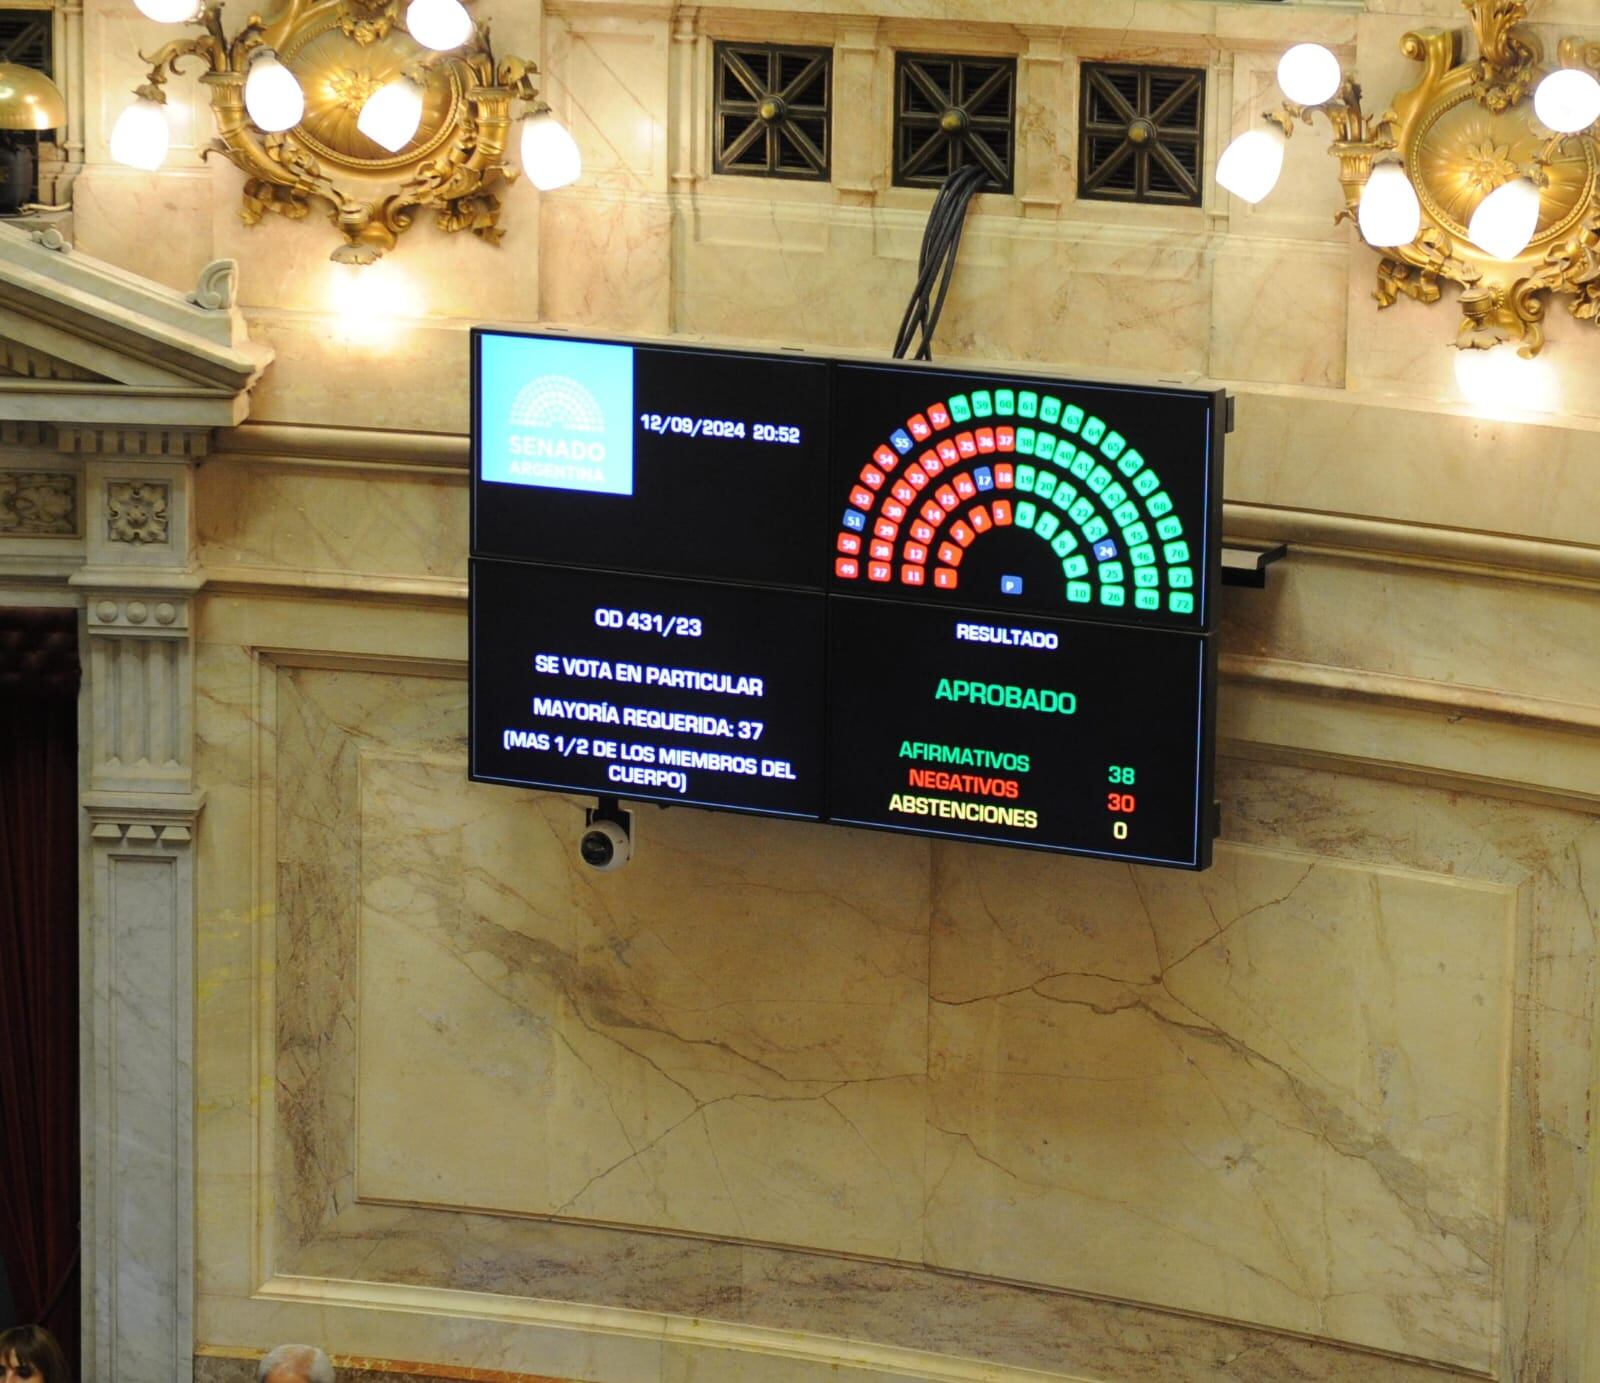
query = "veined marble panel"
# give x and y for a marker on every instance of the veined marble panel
(1273, 1093)
(715, 1042)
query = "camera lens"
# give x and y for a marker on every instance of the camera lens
(596, 848)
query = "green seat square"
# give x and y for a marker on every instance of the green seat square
(1093, 430)
(1046, 525)
(1135, 533)
(960, 411)
(1181, 603)
(1044, 446)
(1076, 566)
(1025, 403)
(1113, 595)
(1125, 514)
(1064, 544)
(1072, 418)
(1147, 600)
(1130, 463)
(982, 404)
(1080, 592)
(1170, 527)
(1147, 481)
(1025, 513)
(1180, 578)
(1111, 573)
(1096, 529)
(1044, 483)
(1082, 511)
(1112, 446)
(1050, 410)
(1025, 437)
(1142, 556)
(1146, 576)
(1113, 495)
(1158, 504)
(1024, 477)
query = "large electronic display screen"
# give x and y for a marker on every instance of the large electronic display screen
(964, 604)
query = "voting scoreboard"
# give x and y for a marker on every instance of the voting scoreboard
(959, 604)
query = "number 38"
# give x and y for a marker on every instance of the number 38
(1119, 774)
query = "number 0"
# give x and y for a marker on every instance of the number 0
(1120, 830)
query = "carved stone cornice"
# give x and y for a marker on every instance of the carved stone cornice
(136, 820)
(86, 344)
(92, 440)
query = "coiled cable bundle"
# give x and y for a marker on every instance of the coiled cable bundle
(941, 239)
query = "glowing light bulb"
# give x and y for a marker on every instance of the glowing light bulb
(272, 95)
(392, 114)
(439, 24)
(1390, 213)
(1499, 383)
(1308, 74)
(549, 152)
(169, 11)
(1567, 101)
(1249, 167)
(1505, 220)
(370, 304)
(139, 138)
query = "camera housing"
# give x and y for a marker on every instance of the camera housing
(607, 840)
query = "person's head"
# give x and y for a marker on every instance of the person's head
(30, 1354)
(292, 1364)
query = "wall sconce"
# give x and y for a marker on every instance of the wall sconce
(346, 103)
(1486, 188)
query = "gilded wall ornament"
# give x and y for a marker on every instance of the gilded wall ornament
(342, 53)
(1467, 133)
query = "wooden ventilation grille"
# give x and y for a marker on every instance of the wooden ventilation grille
(771, 114)
(25, 38)
(950, 112)
(1140, 134)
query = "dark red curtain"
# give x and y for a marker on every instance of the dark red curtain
(39, 967)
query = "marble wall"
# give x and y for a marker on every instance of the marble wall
(780, 1103)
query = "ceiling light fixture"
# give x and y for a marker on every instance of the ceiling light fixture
(1496, 184)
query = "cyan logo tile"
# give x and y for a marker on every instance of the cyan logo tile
(557, 414)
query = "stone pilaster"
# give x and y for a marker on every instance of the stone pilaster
(137, 584)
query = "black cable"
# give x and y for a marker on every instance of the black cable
(941, 240)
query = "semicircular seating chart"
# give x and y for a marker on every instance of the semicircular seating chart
(1020, 459)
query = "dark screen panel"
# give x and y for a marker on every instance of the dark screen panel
(964, 604)
(1018, 493)
(708, 464)
(667, 691)
(1025, 731)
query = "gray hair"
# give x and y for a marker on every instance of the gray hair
(295, 1364)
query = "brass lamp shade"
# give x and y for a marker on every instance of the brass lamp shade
(29, 100)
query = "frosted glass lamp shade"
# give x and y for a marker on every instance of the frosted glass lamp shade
(1567, 101)
(392, 114)
(1249, 167)
(1308, 74)
(272, 95)
(169, 11)
(549, 152)
(439, 24)
(139, 138)
(1390, 213)
(1505, 220)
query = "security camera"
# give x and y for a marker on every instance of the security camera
(607, 841)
